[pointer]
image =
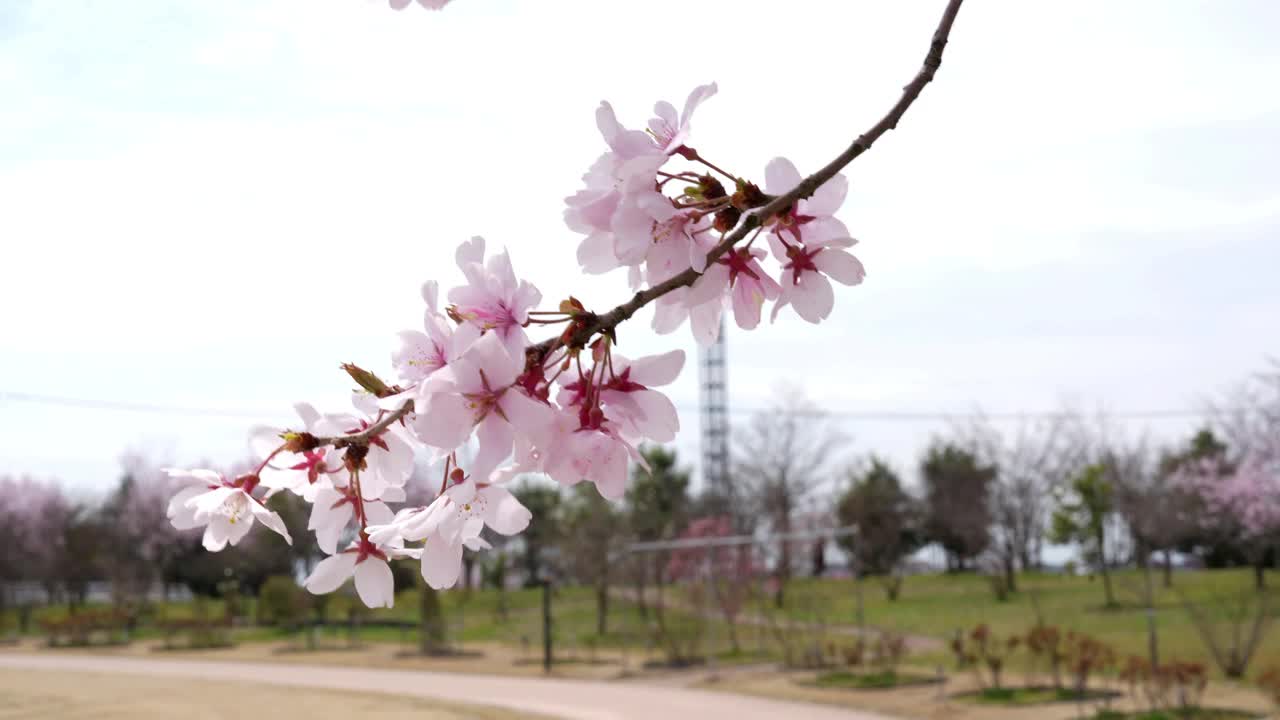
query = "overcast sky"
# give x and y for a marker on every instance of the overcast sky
(211, 204)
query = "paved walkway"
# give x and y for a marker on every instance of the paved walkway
(568, 699)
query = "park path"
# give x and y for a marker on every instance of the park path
(568, 699)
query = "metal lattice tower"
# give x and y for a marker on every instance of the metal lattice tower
(715, 418)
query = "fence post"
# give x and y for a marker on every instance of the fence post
(546, 626)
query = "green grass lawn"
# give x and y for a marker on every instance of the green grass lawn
(875, 680)
(939, 605)
(930, 605)
(1028, 696)
(1190, 714)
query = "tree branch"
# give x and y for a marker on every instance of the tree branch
(610, 320)
(806, 188)
(362, 437)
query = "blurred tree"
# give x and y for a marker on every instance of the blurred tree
(1032, 459)
(543, 501)
(782, 455)
(1214, 542)
(1082, 516)
(1159, 511)
(81, 555)
(591, 534)
(144, 544)
(957, 502)
(282, 602)
(657, 508)
(887, 521)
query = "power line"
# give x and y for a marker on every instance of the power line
(855, 415)
(916, 416)
(117, 405)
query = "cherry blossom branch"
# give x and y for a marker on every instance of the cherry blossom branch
(364, 436)
(605, 323)
(580, 334)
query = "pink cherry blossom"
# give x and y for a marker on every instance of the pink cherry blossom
(387, 464)
(805, 269)
(226, 509)
(621, 204)
(586, 446)
(748, 284)
(36, 512)
(367, 563)
(493, 300)
(296, 472)
(334, 508)
(1243, 498)
(453, 521)
(422, 353)
(671, 131)
(680, 243)
(479, 392)
(811, 220)
(627, 398)
(673, 309)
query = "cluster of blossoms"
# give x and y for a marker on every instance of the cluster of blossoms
(630, 222)
(569, 407)
(1243, 494)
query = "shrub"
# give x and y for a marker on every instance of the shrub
(282, 602)
(854, 654)
(1084, 657)
(889, 649)
(1044, 643)
(984, 649)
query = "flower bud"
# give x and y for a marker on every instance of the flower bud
(749, 195)
(727, 219)
(687, 153)
(353, 460)
(297, 442)
(711, 187)
(572, 306)
(368, 381)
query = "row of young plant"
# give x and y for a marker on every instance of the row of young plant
(1084, 669)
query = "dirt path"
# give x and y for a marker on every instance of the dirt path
(569, 699)
(49, 695)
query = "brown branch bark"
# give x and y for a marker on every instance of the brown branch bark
(362, 437)
(610, 320)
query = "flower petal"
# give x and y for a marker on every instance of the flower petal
(441, 563)
(780, 176)
(375, 584)
(330, 573)
(503, 512)
(654, 370)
